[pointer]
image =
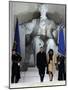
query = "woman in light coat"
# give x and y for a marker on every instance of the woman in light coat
(51, 64)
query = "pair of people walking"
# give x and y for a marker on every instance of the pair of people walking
(43, 63)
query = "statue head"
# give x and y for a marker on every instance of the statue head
(43, 10)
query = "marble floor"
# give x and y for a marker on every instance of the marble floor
(31, 78)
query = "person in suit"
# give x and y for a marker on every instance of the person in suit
(16, 58)
(41, 63)
(61, 68)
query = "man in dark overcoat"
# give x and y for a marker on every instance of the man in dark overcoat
(61, 68)
(41, 63)
(15, 75)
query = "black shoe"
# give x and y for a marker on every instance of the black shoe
(42, 79)
(51, 80)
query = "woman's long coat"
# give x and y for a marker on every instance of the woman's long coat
(51, 66)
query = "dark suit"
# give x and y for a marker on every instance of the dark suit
(61, 69)
(41, 64)
(15, 68)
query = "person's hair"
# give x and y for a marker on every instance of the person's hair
(50, 55)
(50, 60)
(51, 50)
